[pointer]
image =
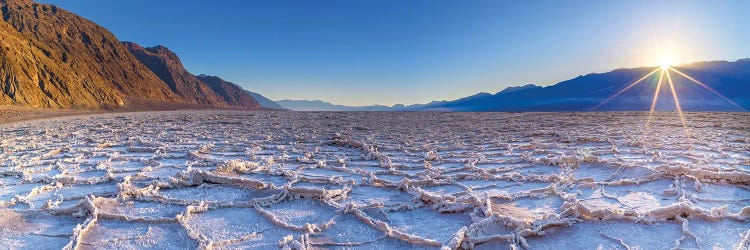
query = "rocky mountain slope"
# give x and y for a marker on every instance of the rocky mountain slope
(232, 94)
(167, 65)
(50, 57)
(54, 58)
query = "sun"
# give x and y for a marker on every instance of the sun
(665, 63)
(665, 78)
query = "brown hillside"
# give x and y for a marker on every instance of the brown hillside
(50, 57)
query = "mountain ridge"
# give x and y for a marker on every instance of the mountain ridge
(584, 92)
(70, 61)
(53, 58)
(168, 66)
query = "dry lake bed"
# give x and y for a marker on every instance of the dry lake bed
(376, 180)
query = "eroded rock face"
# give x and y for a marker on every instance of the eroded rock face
(167, 65)
(232, 94)
(53, 58)
(50, 57)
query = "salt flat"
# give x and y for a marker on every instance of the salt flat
(234, 180)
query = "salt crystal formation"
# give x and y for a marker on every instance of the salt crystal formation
(234, 180)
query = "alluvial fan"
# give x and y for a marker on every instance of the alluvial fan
(239, 179)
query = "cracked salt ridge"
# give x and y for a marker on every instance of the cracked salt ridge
(309, 180)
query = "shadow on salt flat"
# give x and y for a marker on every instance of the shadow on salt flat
(74, 192)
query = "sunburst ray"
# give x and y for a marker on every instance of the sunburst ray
(677, 103)
(626, 88)
(656, 97)
(706, 87)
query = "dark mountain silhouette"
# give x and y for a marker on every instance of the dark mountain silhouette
(584, 93)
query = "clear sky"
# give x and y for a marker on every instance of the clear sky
(359, 52)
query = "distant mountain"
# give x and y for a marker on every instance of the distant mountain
(519, 88)
(263, 101)
(317, 105)
(50, 57)
(583, 93)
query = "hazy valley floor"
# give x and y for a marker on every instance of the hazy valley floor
(235, 179)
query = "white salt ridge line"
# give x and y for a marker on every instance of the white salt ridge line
(89, 205)
(197, 177)
(97, 202)
(618, 240)
(573, 207)
(392, 232)
(739, 177)
(65, 179)
(205, 242)
(81, 229)
(309, 228)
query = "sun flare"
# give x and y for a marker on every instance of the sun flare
(664, 64)
(664, 61)
(664, 68)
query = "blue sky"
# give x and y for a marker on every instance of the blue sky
(360, 52)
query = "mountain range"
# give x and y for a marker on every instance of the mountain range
(50, 57)
(587, 92)
(53, 58)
